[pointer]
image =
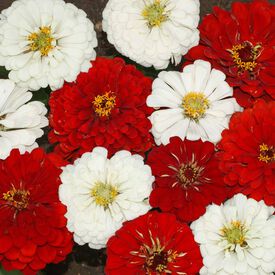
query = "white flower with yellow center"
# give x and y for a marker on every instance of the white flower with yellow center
(20, 122)
(152, 32)
(237, 238)
(45, 42)
(195, 104)
(101, 193)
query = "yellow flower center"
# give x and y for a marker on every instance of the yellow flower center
(267, 153)
(104, 194)
(235, 233)
(245, 55)
(41, 41)
(155, 14)
(195, 105)
(17, 198)
(104, 104)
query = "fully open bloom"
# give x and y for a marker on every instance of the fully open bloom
(101, 193)
(45, 42)
(33, 229)
(105, 107)
(20, 122)
(237, 238)
(187, 178)
(241, 43)
(155, 243)
(247, 155)
(195, 104)
(151, 32)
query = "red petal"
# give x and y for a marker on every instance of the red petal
(5, 244)
(29, 249)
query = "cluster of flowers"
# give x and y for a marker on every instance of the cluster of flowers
(173, 175)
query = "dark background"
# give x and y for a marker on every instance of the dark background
(83, 260)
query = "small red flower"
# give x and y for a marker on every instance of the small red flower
(104, 107)
(247, 155)
(155, 244)
(33, 229)
(187, 178)
(241, 43)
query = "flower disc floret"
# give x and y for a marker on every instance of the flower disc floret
(41, 41)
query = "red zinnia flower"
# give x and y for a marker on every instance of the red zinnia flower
(241, 43)
(187, 178)
(104, 107)
(248, 153)
(155, 244)
(33, 229)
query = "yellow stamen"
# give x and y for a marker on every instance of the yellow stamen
(267, 153)
(156, 257)
(41, 41)
(195, 105)
(104, 194)
(248, 61)
(17, 198)
(235, 233)
(155, 13)
(104, 104)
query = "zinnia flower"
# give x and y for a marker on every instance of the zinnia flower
(195, 104)
(105, 107)
(20, 122)
(237, 238)
(33, 229)
(155, 243)
(241, 43)
(45, 42)
(151, 32)
(187, 178)
(247, 155)
(101, 193)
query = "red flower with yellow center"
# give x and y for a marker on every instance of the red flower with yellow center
(241, 43)
(33, 229)
(187, 178)
(153, 244)
(247, 156)
(104, 107)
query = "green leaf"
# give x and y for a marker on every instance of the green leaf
(41, 95)
(3, 75)
(14, 272)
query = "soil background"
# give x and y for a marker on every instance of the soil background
(83, 260)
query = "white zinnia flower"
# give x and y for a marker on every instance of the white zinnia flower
(237, 238)
(44, 42)
(195, 104)
(101, 193)
(151, 32)
(20, 122)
